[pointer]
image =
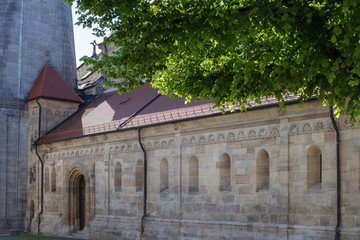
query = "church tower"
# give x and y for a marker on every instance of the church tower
(32, 34)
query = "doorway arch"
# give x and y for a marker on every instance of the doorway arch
(77, 199)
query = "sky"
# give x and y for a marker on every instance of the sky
(83, 38)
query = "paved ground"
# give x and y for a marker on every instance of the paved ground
(22, 237)
(43, 238)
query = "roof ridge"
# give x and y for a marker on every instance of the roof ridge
(43, 78)
(64, 80)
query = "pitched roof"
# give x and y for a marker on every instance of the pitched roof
(50, 84)
(110, 110)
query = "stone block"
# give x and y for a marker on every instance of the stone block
(243, 178)
(246, 189)
(253, 218)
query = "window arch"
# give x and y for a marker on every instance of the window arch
(314, 167)
(225, 166)
(193, 175)
(262, 170)
(164, 175)
(53, 179)
(139, 176)
(46, 182)
(117, 178)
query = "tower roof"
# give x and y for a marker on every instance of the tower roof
(50, 84)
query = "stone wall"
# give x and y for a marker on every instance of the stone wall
(52, 113)
(284, 208)
(34, 33)
(13, 164)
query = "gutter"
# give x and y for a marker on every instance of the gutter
(145, 185)
(55, 98)
(42, 169)
(338, 186)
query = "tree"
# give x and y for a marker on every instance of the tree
(232, 50)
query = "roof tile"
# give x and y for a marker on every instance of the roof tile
(110, 110)
(50, 84)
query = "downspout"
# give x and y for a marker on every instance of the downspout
(145, 185)
(338, 209)
(137, 112)
(145, 159)
(42, 169)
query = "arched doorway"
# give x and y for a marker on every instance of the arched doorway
(77, 200)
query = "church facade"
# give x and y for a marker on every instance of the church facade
(142, 165)
(267, 173)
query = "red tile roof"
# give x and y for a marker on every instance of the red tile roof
(50, 84)
(110, 110)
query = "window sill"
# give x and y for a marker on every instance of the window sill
(165, 191)
(228, 189)
(265, 188)
(317, 188)
(195, 191)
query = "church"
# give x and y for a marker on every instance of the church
(77, 160)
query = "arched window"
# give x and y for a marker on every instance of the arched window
(164, 175)
(46, 180)
(139, 176)
(225, 172)
(262, 170)
(314, 167)
(193, 175)
(117, 179)
(31, 176)
(34, 173)
(53, 179)
(32, 210)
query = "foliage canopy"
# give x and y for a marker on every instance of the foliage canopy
(232, 50)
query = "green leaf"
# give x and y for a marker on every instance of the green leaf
(333, 39)
(332, 77)
(337, 30)
(231, 51)
(337, 90)
(284, 17)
